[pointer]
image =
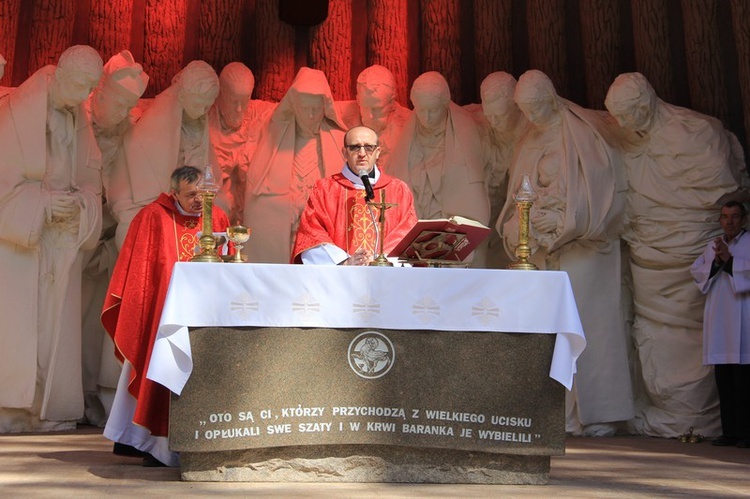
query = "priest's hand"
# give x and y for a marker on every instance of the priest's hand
(359, 258)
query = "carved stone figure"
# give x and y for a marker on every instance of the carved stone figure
(575, 223)
(301, 144)
(440, 157)
(235, 123)
(50, 210)
(172, 132)
(679, 165)
(376, 108)
(112, 102)
(501, 124)
(111, 106)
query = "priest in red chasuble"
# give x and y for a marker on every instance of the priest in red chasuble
(337, 226)
(162, 233)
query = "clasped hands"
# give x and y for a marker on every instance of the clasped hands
(721, 251)
(64, 207)
(359, 258)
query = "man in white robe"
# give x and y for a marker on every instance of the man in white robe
(722, 273)
(50, 210)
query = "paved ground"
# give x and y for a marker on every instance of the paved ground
(80, 464)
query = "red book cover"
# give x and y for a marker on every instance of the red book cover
(449, 239)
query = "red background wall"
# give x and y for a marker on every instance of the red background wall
(696, 53)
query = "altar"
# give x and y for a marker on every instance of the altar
(329, 373)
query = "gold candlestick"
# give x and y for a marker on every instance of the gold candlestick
(208, 188)
(381, 260)
(524, 199)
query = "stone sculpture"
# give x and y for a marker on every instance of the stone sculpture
(172, 132)
(50, 210)
(301, 144)
(111, 106)
(575, 223)
(501, 124)
(679, 164)
(376, 107)
(235, 124)
(440, 157)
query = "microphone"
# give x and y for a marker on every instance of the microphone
(369, 193)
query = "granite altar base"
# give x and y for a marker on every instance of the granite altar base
(362, 405)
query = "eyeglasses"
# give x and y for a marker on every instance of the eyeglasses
(369, 148)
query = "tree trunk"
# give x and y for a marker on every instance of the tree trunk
(653, 58)
(441, 44)
(705, 69)
(9, 15)
(547, 43)
(387, 41)
(741, 25)
(331, 48)
(52, 33)
(220, 31)
(109, 26)
(493, 37)
(274, 51)
(600, 23)
(164, 46)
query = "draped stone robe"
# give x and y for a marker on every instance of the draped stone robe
(43, 150)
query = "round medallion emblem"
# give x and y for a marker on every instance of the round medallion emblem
(371, 354)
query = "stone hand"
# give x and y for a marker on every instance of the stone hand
(63, 206)
(545, 221)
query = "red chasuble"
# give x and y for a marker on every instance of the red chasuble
(336, 213)
(158, 237)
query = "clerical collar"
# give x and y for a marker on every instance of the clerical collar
(354, 179)
(735, 238)
(182, 211)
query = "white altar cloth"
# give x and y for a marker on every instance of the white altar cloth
(442, 299)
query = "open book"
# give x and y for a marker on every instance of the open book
(450, 239)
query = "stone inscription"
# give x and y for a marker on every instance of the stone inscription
(275, 387)
(268, 422)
